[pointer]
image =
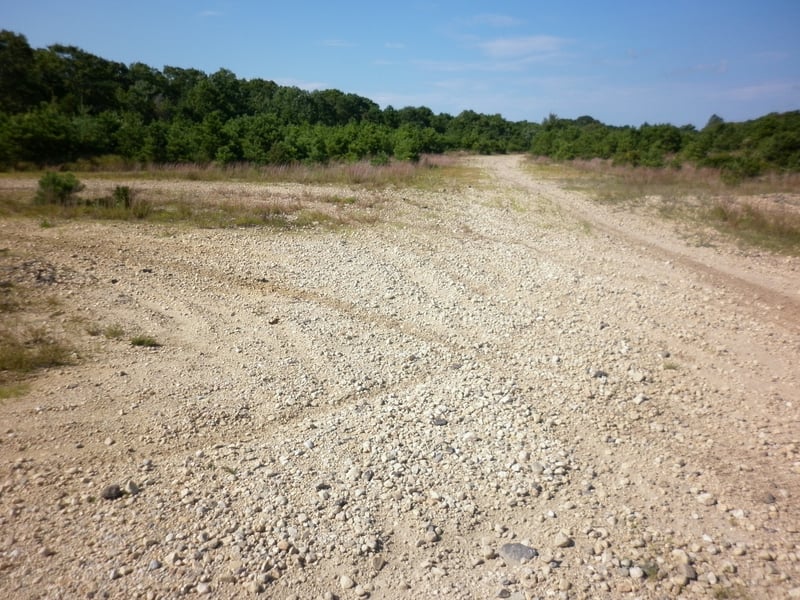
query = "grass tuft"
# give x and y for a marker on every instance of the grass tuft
(114, 331)
(144, 341)
(28, 350)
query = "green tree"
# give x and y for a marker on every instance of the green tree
(18, 90)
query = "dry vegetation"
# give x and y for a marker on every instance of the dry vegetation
(30, 339)
(762, 212)
(319, 205)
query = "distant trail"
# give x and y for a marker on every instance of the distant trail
(774, 290)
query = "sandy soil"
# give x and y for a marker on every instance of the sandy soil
(386, 410)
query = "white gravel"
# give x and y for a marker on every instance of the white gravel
(497, 391)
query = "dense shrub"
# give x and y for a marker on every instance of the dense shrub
(58, 188)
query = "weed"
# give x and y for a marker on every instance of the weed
(13, 390)
(114, 332)
(340, 200)
(144, 341)
(9, 302)
(141, 208)
(311, 218)
(650, 570)
(29, 350)
(123, 196)
(94, 330)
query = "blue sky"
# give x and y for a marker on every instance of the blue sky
(624, 63)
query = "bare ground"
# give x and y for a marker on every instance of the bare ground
(376, 411)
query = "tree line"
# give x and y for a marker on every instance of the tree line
(61, 104)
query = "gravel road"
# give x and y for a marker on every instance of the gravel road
(495, 391)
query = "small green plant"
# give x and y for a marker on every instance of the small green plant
(123, 196)
(144, 341)
(58, 188)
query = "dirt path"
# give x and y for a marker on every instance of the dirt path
(378, 411)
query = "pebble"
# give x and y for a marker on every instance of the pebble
(516, 553)
(687, 571)
(254, 587)
(562, 540)
(680, 556)
(346, 582)
(111, 492)
(706, 499)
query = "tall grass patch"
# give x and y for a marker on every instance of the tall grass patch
(762, 212)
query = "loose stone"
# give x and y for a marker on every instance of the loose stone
(516, 553)
(562, 540)
(111, 492)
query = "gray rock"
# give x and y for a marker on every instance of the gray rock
(111, 492)
(517, 553)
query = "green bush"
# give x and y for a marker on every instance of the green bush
(123, 196)
(57, 188)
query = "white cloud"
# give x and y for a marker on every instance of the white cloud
(523, 46)
(303, 85)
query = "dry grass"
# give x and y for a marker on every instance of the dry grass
(23, 350)
(247, 206)
(26, 345)
(362, 173)
(762, 212)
